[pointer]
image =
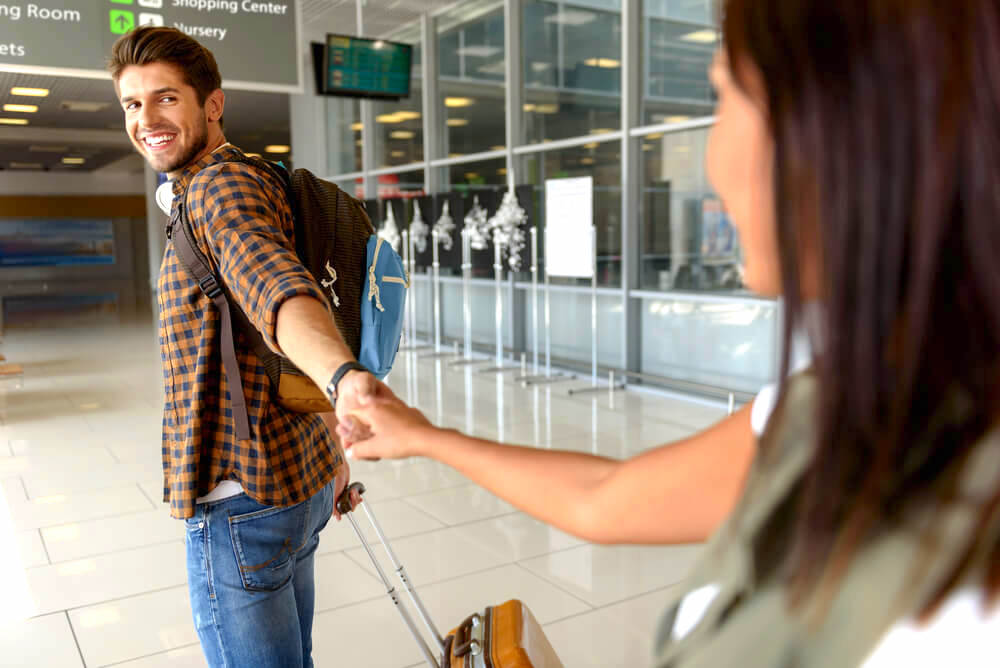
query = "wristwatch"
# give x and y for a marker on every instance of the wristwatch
(331, 387)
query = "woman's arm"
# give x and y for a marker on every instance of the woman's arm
(676, 493)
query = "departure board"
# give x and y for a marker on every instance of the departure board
(367, 67)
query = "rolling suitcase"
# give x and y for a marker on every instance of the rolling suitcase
(502, 636)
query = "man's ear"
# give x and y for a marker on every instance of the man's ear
(214, 105)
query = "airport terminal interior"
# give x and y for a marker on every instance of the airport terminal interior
(607, 315)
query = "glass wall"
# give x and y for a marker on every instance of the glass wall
(694, 321)
(572, 68)
(472, 80)
(399, 129)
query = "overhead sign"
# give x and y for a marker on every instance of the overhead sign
(569, 222)
(255, 42)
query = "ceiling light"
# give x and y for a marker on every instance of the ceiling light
(675, 119)
(606, 63)
(48, 149)
(547, 108)
(402, 134)
(655, 135)
(277, 148)
(73, 161)
(13, 121)
(88, 107)
(357, 127)
(398, 154)
(29, 92)
(498, 148)
(455, 155)
(540, 67)
(529, 107)
(586, 161)
(591, 145)
(571, 17)
(27, 165)
(647, 147)
(388, 118)
(21, 108)
(502, 171)
(707, 36)
(457, 122)
(455, 102)
(601, 131)
(407, 115)
(471, 176)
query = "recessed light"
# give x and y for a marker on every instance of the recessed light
(13, 121)
(357, 127)
(471, 176)
(457, 122)
(586, 161)
(73, 161)
(29, 92)
(21, 108)
(529, 107)
(86, 107)
(277, 148)
(455, 155)
(455, 102)
(601, 131)
(407, 115)
(398, 154)
(547, 109)
(48, 149)
(502, 171)
(605, 63)
(402, 134)
(591, 145)
(498, 148)
(707, 36)
(26, 165)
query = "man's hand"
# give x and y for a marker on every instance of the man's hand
(356, 390)
(343, 476)
(395, 430)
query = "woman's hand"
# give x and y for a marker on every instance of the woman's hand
(398, 431)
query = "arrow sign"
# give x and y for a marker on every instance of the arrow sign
(122, 22)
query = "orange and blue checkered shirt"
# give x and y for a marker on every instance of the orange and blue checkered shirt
(243, 223)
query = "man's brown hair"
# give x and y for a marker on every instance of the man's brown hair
(149, 44)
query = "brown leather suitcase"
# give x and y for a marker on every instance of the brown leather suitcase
(502, 636)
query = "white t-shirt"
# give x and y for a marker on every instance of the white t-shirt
(958, 635)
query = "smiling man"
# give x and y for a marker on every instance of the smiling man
(253, 507)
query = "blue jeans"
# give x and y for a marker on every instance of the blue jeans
(250, 576)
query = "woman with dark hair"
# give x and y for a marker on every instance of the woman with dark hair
(857, 150)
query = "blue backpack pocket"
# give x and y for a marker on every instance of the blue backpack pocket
(383, 301)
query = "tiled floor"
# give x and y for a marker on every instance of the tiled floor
(92, 567)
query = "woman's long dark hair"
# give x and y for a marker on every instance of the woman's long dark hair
(885, 116)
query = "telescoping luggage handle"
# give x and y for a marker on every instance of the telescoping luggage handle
(470, 643)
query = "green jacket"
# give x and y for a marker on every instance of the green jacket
(749, 621)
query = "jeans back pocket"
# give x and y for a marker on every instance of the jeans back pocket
(265, 542)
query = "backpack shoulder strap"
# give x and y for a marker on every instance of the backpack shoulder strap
(200, 270)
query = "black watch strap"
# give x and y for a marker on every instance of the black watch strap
(331, 387)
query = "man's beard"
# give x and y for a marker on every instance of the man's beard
(198, 144)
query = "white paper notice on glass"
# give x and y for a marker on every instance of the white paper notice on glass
(569, 217)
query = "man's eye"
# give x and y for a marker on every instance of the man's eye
(131, 106)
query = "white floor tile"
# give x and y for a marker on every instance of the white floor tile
(392, 483)
(134, 627)
(41, 641)
(602, 575)
(369, 634)
(433, 557)
(396, 517)
(517, 537)
(65, 508)
(461, 505)
(83, 539)
(73, 584)
(341, 582)
(618, 635)
(185, 657)
(31, 548)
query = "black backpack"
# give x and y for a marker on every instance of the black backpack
(331, 227)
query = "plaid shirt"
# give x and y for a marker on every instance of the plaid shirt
(243, 224)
